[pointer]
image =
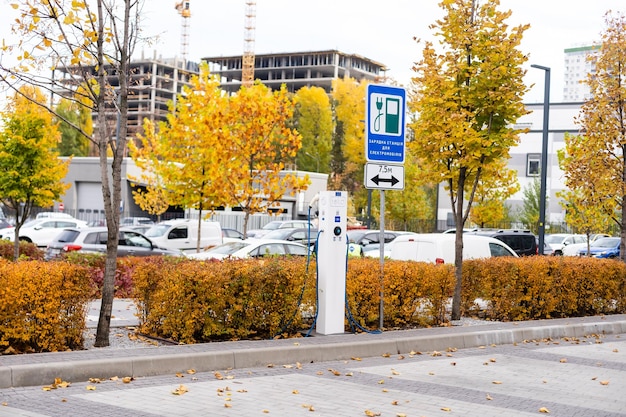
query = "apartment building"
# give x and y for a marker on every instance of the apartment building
(153, 85)
(577, 67)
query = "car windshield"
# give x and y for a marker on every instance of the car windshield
(157, 230)
(606, 242)
(227, 248)
(355, 236)
(554, 238)
(271, 225)
(32, 223)
(280, 234)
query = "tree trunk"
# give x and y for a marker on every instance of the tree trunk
(112, 186)
(458, 247)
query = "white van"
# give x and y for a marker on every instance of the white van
(183, 234)
(439, 247)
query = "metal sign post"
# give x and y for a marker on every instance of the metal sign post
(385, 110)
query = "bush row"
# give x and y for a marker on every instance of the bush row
(42, 304)
(545, 287)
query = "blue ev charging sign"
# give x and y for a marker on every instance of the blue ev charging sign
(384, 124)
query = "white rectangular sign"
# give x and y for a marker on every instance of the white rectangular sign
(384, 177)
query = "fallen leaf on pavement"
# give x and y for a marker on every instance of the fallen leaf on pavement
(180, 390)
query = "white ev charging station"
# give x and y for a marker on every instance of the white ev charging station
(332, 245)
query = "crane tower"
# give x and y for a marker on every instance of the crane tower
(183, 10)
(247, 70)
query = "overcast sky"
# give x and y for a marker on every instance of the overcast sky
(380, 30)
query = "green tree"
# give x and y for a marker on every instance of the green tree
(73, 142)
(92, 41)
(601, 159)
(493, 189)
(30, 169)
(314, 121)
(529, 212)
(467, 99)
(404, 207)
(584, 213)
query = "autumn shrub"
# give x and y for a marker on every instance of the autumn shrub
(123, 286)
(42, 306)
(546, 287)
(28, 250)
(192, 301)
(415, 293)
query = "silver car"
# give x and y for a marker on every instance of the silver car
(94, 240)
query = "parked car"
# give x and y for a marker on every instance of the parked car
(304, 236)
(135, 221)
(42, 231)
(547, 249)
(439, 248)
(231, 235)
(559, 240)
(523, 242)
(141, 228)
(94, 240)
(574, 248)
(53, 215)
(279, 224)
(465, 230)
(253, 248)
(369, 241)
(4, 224)
(606, 247)
(182, 234)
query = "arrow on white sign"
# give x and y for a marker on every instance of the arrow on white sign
(378, 180)
(384, 177)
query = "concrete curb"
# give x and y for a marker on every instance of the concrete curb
(299, 350)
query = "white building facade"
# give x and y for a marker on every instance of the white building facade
(526, 160)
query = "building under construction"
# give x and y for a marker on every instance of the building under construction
(154, 84)
(297, 69)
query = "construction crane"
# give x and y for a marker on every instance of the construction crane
(247, 66)
(183, 10)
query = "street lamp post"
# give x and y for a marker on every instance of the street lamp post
(544, 157)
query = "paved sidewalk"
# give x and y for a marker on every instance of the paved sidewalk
(564, 368)
(42, 369)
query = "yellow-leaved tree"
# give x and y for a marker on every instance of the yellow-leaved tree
(258, 140)
(31, 172)
(497, 183)
(349, 148)
(595, 162)
(313, 119)
(467, 97)
(89, 43)
(182, 161)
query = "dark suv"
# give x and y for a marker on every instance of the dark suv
(522, 242)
